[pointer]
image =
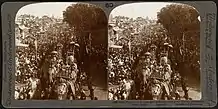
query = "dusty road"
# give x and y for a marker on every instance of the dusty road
(193, 93)
(100, 93)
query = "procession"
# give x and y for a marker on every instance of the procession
(153, 80)
(53, 62)
(145, 62)
(57, 76)
(88, 56)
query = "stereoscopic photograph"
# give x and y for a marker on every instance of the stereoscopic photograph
(73, 51)
(154, 52)
(61, 52)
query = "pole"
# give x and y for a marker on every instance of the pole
(183, 44)
(89, 76)
(36, 44)
(130, 50)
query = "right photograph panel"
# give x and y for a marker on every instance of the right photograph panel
(154, 52)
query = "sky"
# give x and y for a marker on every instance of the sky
(129, 10)
(135, 10)
(50, 9)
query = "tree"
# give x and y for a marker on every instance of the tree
(183, 26)
(89, 24)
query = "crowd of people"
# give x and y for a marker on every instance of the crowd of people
(35, 61)
(26, 65)
(149, 65)
(27, 57)
(122, 76)
(119, 66)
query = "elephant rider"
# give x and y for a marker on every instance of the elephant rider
(143, 72)
(71, 62)
(174, 64)
(164, 49)
(54, 56)
(147, 62)
(72, 75)
(53, 66)
(165, 73)
(49, 75)
(72, 71)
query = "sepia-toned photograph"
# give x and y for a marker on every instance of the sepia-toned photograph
(154, 52)
(61, 52)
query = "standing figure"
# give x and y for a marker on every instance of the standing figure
(59, 50)
(153, 57)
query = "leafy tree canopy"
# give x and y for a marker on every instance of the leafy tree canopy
(181, 22)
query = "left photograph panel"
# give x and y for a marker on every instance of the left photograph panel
(61, 52)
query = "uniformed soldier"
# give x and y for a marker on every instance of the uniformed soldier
(165, 48)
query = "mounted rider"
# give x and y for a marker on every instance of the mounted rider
(72, 67)
(179, 77)
(147, 61)
(142, 72)
(71, 57)
(165, 68)
(144, 63)
(71, 61)
(52, 66)
(53, 58)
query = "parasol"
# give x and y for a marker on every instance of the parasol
(77, 45)
(147, 54)
(54, 52)
(166, 44)
(170, 46)
(71, 43)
